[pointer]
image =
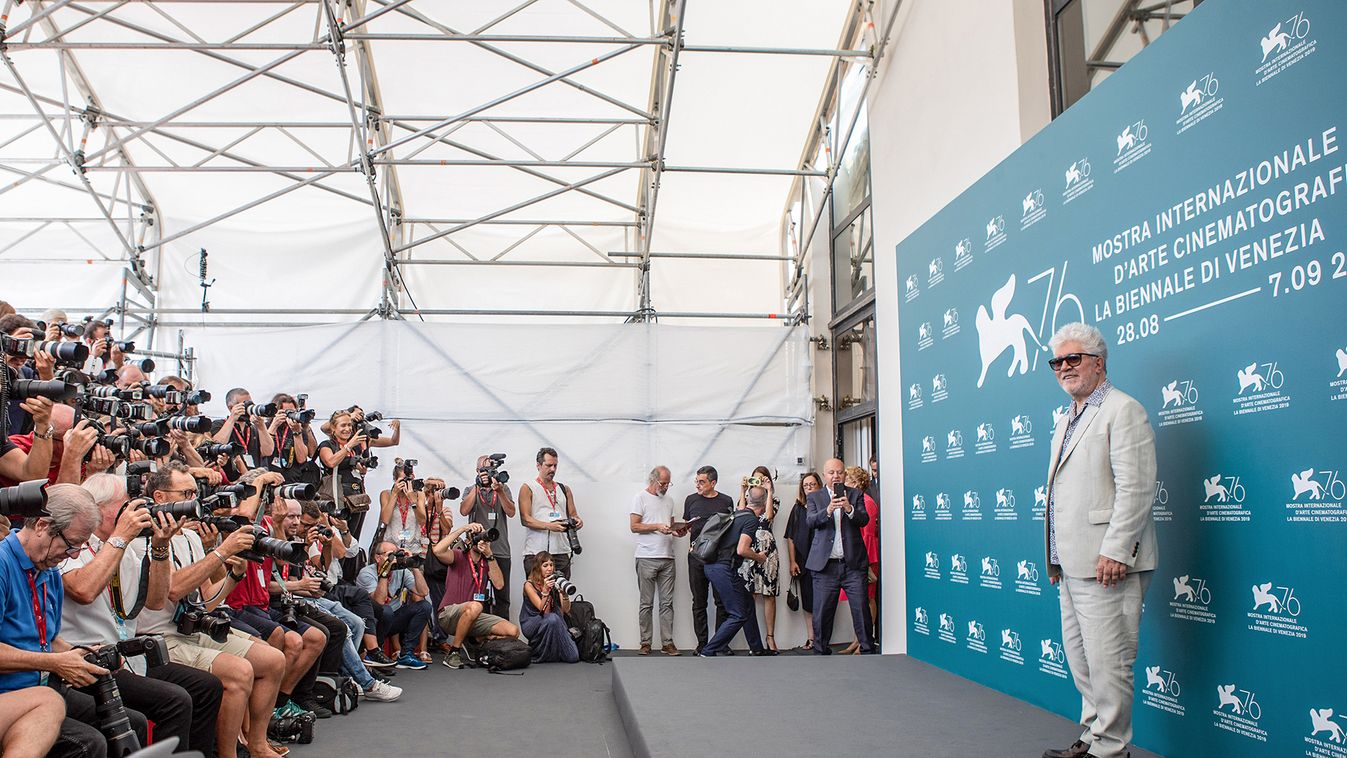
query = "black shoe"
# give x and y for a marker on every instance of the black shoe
(314, 708)
(729, 651)
(764, 652)
(1078, 749)
(376, 658)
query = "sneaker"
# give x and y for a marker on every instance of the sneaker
(454, 660)
(382, 693)
(378, 659)
(670, 649)
(410, 661)
(315, 709)
(295, 709)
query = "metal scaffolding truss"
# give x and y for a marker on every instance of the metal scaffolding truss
(199, 113)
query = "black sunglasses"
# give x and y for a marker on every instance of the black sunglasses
(1071, 360)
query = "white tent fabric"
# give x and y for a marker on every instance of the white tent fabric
(728, 110)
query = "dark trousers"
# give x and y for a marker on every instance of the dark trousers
(834, 577)
(330, 660)
(500, 605)
(359, 602)
(408, 620)
(79, 737)
(701, 586)
(739, 602)
(204, 691)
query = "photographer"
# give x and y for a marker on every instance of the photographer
(398, 588)
(198, 582)
(549, 516)
(345, 458)
(402, 509)
(543, 617)
(31, 595)
(471, 576)
(306, 523)
(488, 502)
(295, 445)
(24, 465)
(249, 604)
(246, 427)
(69, 448)
(102, 584)
(43, 367)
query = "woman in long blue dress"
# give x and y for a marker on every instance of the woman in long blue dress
(543, 615)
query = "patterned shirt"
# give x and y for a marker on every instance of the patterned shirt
(1096, 399)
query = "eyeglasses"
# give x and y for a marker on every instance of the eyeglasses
(1071, 360)
(187, 492)
(69, 548)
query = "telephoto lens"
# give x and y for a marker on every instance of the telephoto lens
(193, 424)
(211, 449)
(261, 410)
(56, 390)
(125, 347)
(27, 499)
(69, 330)
(299, 491)
(144, 364)
(153, 447)
(301, 417)
(183, 509)
(563, 585)
(196, 397)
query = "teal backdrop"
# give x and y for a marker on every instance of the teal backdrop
(1192, 207)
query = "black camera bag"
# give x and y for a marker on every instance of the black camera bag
(336, 693)
(504, 654)
(593, 639)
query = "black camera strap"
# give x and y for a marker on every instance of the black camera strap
(115, 585)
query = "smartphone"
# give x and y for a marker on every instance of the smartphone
(839, 490)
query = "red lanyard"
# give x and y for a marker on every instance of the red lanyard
(403, 507)
(244, 439)
(551, 494)
(38, 615)
(477, 577)
(282, 437)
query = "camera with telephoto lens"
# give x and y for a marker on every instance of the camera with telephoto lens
(260, 410)
(323, 531)
(121, 445)
(563, 585)
(325, 582)
(368, 461)
(296, 491)
(331, 508)
(110, 712)
(144, 364)
(491, 470)
(69, 353)
(467, 539)
(571, 536)
(192, 618)
(284, 604)
(130, 394)
(302, 416)
(69, 330)
(135, 477)
(126, 347)
(212, 449)
(267, 546)
(405, 560)
(26, 499)
(366, 425)
(172, 396)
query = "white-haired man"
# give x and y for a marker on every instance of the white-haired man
(652, 523)
(1099, 536)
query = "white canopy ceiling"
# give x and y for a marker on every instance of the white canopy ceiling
(532, 133)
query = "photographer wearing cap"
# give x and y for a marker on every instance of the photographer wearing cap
(31, 598)
(246, 427)
(471, 576)
(543, 617)
(102, 591)
(198, 583)
(549, 516)
(398, 588)
(488, 502)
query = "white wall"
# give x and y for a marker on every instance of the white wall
(963, 83)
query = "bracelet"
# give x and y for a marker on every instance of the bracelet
(219, 557)
(159, 553)
(236, 577)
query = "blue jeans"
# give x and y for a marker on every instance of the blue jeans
(408, 621)
(351, 665)
(740, 613)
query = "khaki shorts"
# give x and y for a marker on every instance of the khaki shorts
(199, 651)
(481, 627)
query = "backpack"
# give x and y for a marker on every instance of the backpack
(707, 543)
(591, 634)
(504, 654)
(337, 693)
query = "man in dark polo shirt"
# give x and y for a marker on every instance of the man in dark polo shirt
(735, 547)
(471, 577)
(700, 505)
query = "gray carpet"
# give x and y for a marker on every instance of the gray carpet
(814, 706)
(553, 710)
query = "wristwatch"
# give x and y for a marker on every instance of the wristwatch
(117, 542)
(47, 435)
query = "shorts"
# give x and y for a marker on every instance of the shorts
(263, 623)
(199, 651)
(481, 627)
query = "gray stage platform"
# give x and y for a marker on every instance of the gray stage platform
(813, 706)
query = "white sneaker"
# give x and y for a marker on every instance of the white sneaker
(382, 692)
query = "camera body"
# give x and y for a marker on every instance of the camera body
(492, 471)
(405, 560)
(65, 353)
(468, 539)
(111, 657)
(571, 536)
(193, 618)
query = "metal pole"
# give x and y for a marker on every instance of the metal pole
(710, 256)
(526, 264)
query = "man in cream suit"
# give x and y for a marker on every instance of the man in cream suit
(1099, 536)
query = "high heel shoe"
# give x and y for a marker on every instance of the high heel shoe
(771, 643)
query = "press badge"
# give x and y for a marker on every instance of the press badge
(479, 597)
(123, 634)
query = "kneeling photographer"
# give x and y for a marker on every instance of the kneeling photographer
(471, 578)
(547, 600)
(398, 588)
(105, 589)
(196, 633)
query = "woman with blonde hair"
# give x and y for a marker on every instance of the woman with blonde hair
(763, 579)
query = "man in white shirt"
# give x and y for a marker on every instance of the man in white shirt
(652, 523)
(547, 511)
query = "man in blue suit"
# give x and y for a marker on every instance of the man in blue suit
(837, 557)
